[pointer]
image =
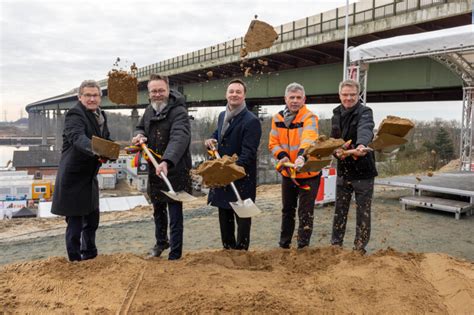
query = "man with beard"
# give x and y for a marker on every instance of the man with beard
(165, 128)
(76, 193)
(238, 132)
(353, 121)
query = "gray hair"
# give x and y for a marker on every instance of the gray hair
(351, 83)
(292, 87)
(89, 84)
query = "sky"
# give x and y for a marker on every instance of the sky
(48, 47)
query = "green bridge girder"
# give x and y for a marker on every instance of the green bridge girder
(395, 76)
(401, 75)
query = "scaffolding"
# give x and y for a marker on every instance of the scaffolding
(453, 47)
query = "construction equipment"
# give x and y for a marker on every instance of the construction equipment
(244, 208)
(181, 196)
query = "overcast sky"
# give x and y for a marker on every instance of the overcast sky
(48, 47)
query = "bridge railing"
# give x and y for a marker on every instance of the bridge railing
(359, 12)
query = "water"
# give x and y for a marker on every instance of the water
(6, 153)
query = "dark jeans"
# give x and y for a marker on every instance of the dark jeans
(292, 196)
(227, 218)
(160, 215)
(363, 189)
(80, 236)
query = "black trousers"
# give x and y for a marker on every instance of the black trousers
(160, 215)
(293, 196)
(80, 236)
(364, 190)
(227, 219)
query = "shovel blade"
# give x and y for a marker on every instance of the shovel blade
(245, 209)
(181, 196)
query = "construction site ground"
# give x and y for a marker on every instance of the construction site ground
(418, 261)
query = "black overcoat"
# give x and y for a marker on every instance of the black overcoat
(356, 124)
(76, 192)
(169, 135)
(242, 137)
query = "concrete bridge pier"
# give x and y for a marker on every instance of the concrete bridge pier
(30, 122)
(44, 128)
(34, 122)
(134, 119)
(59, 130)
(48, 116)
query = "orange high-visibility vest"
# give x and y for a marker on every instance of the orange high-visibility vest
(293, 140)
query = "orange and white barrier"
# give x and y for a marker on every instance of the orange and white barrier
(327, 186)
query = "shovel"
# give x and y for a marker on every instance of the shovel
(105, 148)
(181, 196)
(244, 208)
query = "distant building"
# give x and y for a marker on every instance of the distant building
(37, 162)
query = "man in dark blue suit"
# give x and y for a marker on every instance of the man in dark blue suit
(238, 132)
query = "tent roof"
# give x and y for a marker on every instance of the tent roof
(443, 41)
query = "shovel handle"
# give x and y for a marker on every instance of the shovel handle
(155, 163)
(236, 192)
(163, 176)
(150, 156)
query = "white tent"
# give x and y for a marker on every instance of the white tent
(453, 47)
(452, 40)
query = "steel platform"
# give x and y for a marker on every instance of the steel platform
(456, 184)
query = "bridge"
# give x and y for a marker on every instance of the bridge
(309, 51)
(26, 140)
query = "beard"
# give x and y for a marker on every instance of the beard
(159, 105)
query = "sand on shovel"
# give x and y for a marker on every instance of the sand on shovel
(220, 172)
(395, 126)
(122, 87)
(260, 35)
(387, 141)
(323, 147)
(314, 164)
(391, 133)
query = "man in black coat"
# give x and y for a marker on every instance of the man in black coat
(165, 128)
(76, 192)
(238, 131)
(353, 121)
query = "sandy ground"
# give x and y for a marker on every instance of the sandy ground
(418, 261)
(275, 281)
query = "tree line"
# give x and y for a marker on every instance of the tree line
(430, 145)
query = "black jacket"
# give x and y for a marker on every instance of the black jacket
(76, 192)
(356, 124)
(242, 137)
(169, 135)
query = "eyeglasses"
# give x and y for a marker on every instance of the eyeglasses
(352, 95)
(90, 95)
(161, 91)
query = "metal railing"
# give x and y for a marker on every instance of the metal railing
(359, 12)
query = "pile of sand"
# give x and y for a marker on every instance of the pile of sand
(391, 133)
(452, 166)
(122, 87)
(259, 35)
(220, 172)
(315, 280)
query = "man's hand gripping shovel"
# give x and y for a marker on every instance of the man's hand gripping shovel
(346, 151)
(181, 196)
(244, 208)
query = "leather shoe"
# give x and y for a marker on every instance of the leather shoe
(158, 250)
